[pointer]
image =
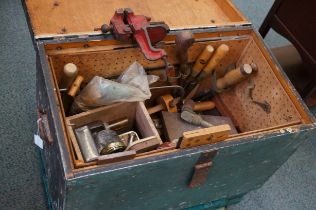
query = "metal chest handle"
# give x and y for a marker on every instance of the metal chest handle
(44, 130)
(201, 168)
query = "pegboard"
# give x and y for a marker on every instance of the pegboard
(267, 87)
(110, 63)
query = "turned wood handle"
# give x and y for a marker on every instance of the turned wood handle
(235, 76)
(75, 87)
(69, 74)
(203, 106)
(219, 54)
(201, 61)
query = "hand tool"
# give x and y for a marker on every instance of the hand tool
(86, 143)
(168, 103)
(201, 61)
(219, 54)
(264, 105)
(126, 26)
(203, 106)
(184, 40)
(235, 76)
(188, 115)
(231, 78)
(69, 74)
(174, 126)
(75, 87)
(165, 102)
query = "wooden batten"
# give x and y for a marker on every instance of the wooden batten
(57, 17)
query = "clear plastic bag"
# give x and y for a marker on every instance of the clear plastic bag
(132, 85)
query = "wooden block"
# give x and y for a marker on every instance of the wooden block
(116, 157)
(205, 136)
(175, 127)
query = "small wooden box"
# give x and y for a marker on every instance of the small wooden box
(63, 32)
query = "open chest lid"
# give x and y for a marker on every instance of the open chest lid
(53, 18)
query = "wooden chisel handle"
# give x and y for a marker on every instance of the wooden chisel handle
(201, 61)
(235, 76)
(75, 87)
(219, 54)
(203, 106)
(69, 74)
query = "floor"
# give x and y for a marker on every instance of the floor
(291, 187)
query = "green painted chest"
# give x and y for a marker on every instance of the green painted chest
(202, 177)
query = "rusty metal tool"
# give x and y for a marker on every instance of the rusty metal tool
(184, 40)
(188, 115)
(264, 105)
(126, 26)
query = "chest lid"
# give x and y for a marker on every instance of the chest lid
(52, 18)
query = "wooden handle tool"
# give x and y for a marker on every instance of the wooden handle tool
(203, 106)
(235, 76)
(75, 87)
(165, 102)
(184, 41)
(201, 61)
(69, 74)
(219, 54)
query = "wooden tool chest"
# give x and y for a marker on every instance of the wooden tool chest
(209, 175)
